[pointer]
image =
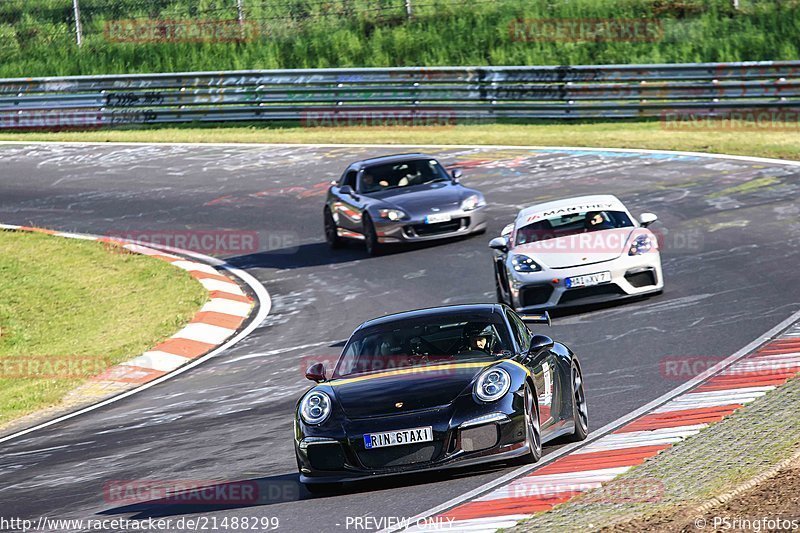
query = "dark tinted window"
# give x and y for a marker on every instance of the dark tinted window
(572, 224)
(419, 342)
(350, 179)
(521, 331)
(402, 174)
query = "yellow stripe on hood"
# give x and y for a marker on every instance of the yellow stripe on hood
(411, 370)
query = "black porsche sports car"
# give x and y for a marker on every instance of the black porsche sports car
(400, 198)
(437, 388)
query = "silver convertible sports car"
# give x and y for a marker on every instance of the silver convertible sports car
(576, 251)
(400, 198)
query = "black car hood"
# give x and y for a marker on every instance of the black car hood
(416, 388)
(422, 197)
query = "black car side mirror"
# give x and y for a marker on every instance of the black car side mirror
(539, 343)
(316, 372)
(457, 173)
(346, 189)
(499, 243)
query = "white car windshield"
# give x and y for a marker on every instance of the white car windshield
(571, 224)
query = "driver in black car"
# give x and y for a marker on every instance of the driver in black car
(479, 339)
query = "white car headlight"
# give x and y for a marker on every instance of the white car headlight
(492, 385)
(523, 263)
(391, 214)
(315, 407)
(473, 201)
(641, 245)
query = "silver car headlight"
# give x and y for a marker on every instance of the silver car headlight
(391, 214)
(523, 263)
(641, 245)
(315, 407)
(473, 201)
(492, 385)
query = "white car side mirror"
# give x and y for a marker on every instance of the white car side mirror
(499, 243)
(645, 219)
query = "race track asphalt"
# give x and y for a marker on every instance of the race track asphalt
(731, 235)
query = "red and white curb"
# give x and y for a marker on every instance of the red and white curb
(212, 329)
(585, 466)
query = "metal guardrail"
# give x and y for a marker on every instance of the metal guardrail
(407, 95)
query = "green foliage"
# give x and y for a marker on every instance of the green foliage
(37, 36)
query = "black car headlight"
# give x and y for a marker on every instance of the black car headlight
(523, 263)
(641, 245)
(315, 407)
(492, 385)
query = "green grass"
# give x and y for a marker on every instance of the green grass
(617, 134)
(37, 36)
(79, 302)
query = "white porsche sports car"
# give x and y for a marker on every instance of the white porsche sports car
(576, 251)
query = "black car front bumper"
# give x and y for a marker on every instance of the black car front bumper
(493, 432)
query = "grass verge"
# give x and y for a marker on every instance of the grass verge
(69, 309)
(744, 140)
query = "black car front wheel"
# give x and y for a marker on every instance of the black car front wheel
(331, 231)
(370, 237)
(533, 432)
(580, 412)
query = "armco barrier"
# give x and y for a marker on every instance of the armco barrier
(460, 93)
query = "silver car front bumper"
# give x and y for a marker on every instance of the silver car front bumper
(630, 276)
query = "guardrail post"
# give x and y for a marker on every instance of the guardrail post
(240, 11)
(78, 31)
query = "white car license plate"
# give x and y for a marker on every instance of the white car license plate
(588, 280)
(396, 438)
(438, 217)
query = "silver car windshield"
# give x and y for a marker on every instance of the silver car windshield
(571, 224)
(403, 174)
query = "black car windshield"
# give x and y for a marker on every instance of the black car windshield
(401, 174)
(425, 341)
(571, 224)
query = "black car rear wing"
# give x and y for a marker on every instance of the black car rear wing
(536, 318)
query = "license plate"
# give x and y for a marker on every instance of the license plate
(588, 280)
(437, 217)
(396, 438)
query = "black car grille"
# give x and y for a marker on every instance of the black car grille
(535, 295)
(608, 289)
(405, 454)
(327, 456)
(440, 228)
(642, 278)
